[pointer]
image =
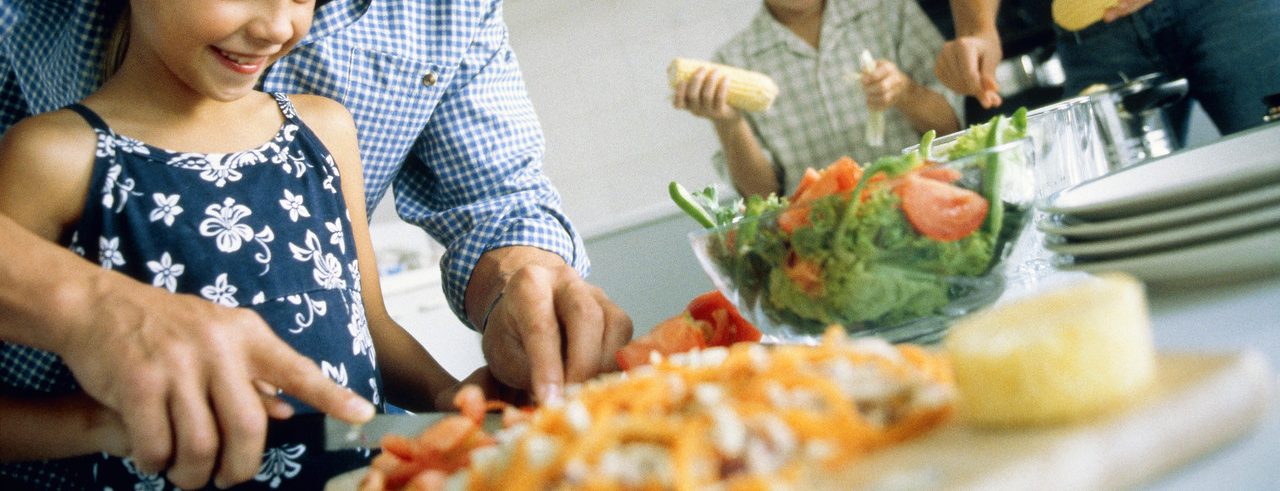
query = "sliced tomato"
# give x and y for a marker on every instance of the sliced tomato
(675, 335)
(794, 218)
(727, 324)
(939, 210)
(839, 177)
(939, 173)
(810, 177)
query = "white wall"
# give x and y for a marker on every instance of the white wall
(596, 71)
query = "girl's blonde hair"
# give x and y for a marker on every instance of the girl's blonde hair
(117, 16)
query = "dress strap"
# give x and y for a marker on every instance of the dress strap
(91, 117)
(286, 106)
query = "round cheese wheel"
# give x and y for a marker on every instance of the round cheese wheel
(1066, 354)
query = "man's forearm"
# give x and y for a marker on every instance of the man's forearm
(43, 288)
(928, 110)
(975, 17)
(748, 168)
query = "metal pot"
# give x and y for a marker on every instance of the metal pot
(1132, 124)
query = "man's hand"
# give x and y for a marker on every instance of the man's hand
(885, 85)
(706, 94)
(546, 326)
(1123, 8)
(188, 379)
(967, 65)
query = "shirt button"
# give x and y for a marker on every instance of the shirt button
(429, 79)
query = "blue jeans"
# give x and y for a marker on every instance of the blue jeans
(1228, 50)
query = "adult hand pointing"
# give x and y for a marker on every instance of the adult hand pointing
(184, 374)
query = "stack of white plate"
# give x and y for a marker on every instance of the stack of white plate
(1205, 214)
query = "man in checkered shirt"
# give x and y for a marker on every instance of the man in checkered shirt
(442, 113)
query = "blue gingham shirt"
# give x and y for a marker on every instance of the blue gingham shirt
(440, 106)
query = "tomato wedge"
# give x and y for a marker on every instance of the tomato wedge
(675, 335)
(709, 320)
(794, 218)
(939, 173)
(727, 325)
(939, 210)
(839, 177)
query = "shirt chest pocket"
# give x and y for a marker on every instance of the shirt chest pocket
(393, 96)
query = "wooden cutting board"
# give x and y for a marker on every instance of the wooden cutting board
(1199, 403)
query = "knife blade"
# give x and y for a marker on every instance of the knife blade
(339, 435)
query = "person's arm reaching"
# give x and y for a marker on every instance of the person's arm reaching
(967, 64)
(705, 94)
(184, 374)
(58, 427)
(485, 196)
(887, 86)
(910, 86)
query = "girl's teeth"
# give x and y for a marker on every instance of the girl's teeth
(237, 59)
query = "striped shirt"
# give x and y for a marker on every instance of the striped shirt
(440, 106)
(820, 112)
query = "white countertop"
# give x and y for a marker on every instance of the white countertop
(1226, 318)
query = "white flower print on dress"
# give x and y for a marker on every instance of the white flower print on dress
(258, 299)
(109, 252)
(247, 157)
(130, 145)
(373, 385)
(279, 464)
(286, 105)
(354, 268)
(166, 271)
(328, 270)
(314, 308)
(224, 225)
(105, 146)
(215, 168)
(293, 203)
(291, 163)
(146, 482)
(335, 234)
(166, 208)
(333, 172)
(112, 184)
(361, 340)
(221, 292)
(76, 247)
(337, 374)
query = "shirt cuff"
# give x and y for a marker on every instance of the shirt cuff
(545, 228)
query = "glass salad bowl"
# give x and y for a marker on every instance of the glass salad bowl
(924, 244)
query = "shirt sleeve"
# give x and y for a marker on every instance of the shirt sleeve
(474, 178)
(918, 51)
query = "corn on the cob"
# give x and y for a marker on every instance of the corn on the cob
(748, 90)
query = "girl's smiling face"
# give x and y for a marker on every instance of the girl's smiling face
(217, 48)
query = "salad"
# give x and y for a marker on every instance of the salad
(922, 239)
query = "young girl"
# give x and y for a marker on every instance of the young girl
(178, 173)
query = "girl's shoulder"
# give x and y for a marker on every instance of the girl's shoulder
(52, 134)
(318, 110)
(46, 163)
(329, 119)
(332, 123)
(50, 144)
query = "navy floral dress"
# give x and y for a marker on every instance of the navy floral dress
(266, 229)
